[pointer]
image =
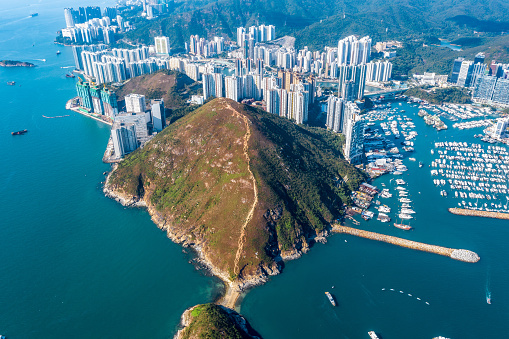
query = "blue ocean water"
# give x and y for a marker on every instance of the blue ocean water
(74, 264)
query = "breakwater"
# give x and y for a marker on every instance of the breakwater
(457, 254)
(477, 213)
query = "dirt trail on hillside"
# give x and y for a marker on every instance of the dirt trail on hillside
(242, 238)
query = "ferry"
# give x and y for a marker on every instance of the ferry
(373, 335)
(331, 298)
(19, 133)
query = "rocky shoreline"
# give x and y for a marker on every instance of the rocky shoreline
(12, 63)
(233, 288)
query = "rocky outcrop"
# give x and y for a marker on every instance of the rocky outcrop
(12, 63)
(208, 320)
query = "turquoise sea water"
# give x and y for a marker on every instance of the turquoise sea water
(360, 268)
(73, 263)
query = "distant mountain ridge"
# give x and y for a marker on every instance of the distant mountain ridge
(336, 18)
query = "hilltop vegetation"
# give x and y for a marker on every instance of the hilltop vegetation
(199, 184)
(212, 321)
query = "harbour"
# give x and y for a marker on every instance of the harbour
(363, 268)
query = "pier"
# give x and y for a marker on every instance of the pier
(457, 254)
(477, 213)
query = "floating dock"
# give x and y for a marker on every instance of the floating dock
(477, 213)
(457, 254)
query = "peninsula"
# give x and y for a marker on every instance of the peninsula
(12, 63)
(245, 188)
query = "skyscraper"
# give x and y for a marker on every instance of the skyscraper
(354, 52)
(465, 74)
(352, 81)
(83, 90)
(124, 140)
(109, 101)
(135, 103)
(335, 113)
(456, 67)
(162, 45)
(233, 85)
(354, 133)
(158, 115)
(69, 17)
(479, 58)
(483, 88)
(272, 101)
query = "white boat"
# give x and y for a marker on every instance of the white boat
(404, 216)
(401, 188)
(405, 200)
(411, 159)
(331, 299)
(400, 181)
(373, 335)
(407, 211)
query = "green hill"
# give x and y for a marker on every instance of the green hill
(241, 185)
(214, 321)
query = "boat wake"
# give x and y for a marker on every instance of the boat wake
(408, 294)
(57, 116)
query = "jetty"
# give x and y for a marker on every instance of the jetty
(477, 213)
(457, 254)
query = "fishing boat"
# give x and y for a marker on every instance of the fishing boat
(331, 298)
(403, 227)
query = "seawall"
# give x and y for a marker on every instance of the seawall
(476, 213)
(457, 254)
